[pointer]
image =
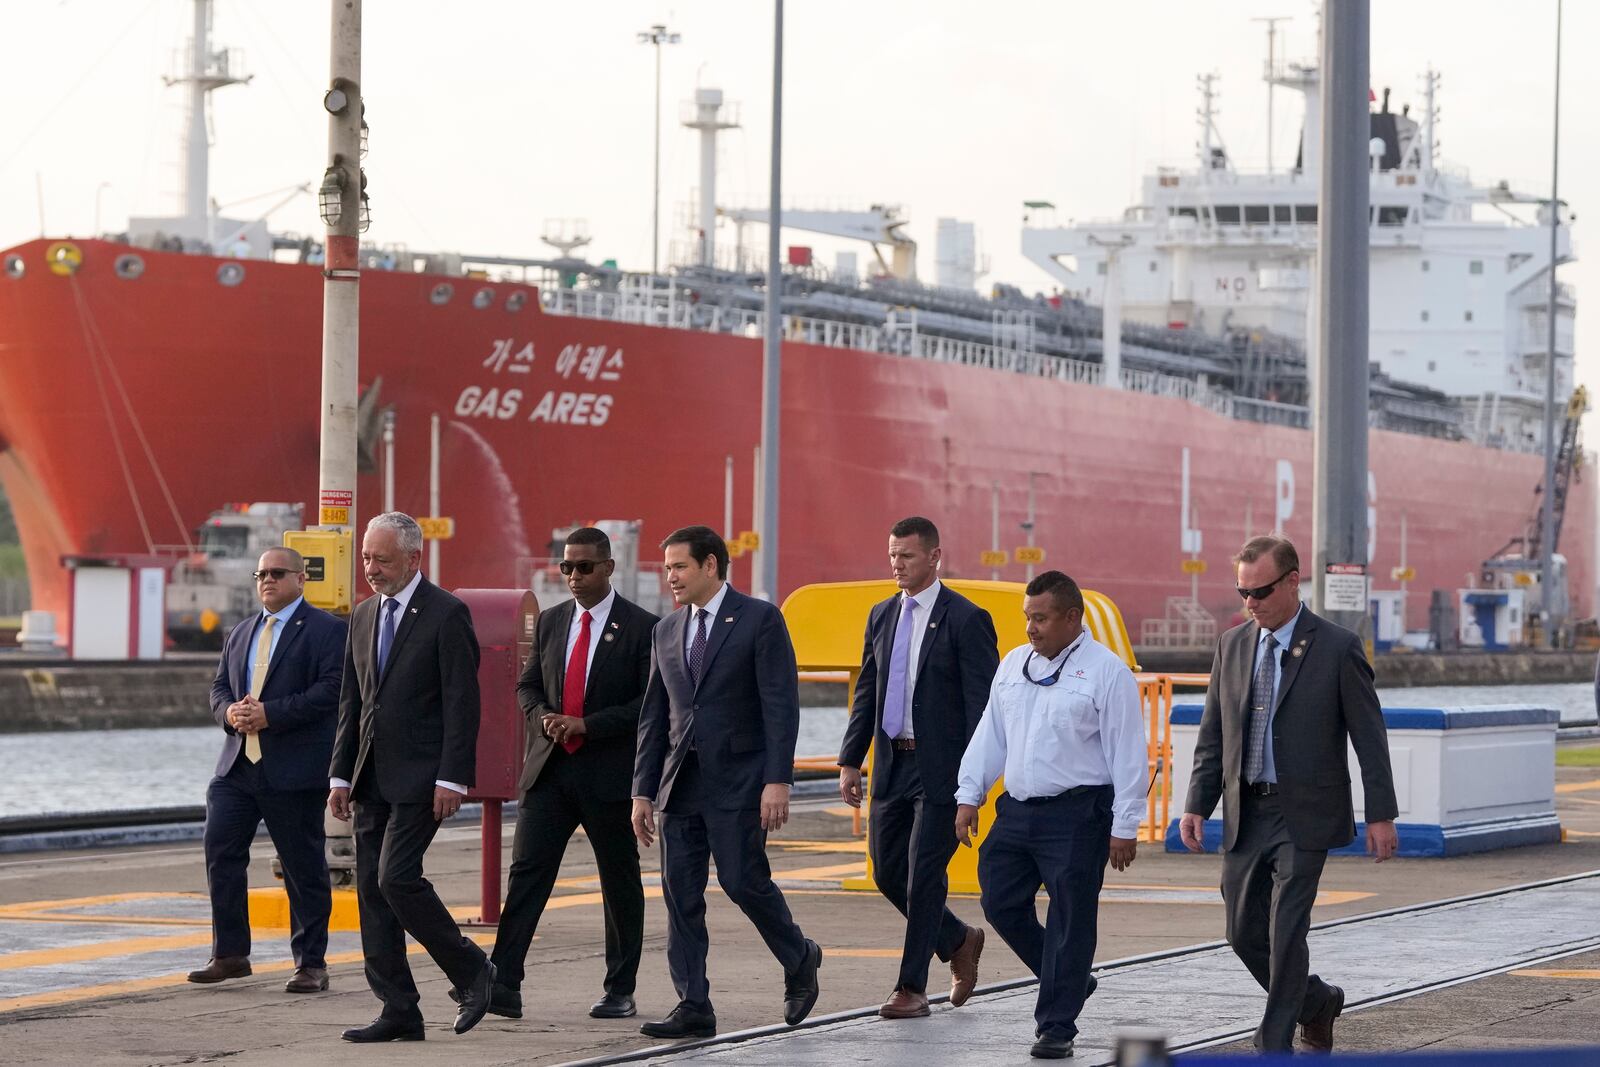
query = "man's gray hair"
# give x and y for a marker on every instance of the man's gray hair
(404, 526)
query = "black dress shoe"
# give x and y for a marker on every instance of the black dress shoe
(307, 980)
(381, 1029)
(221, 968)
(800, 988)
(475, 999)
(1051, 1048)
(503, 1000)
(684, 1021)
(612, 1006)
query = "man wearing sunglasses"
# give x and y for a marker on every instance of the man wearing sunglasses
(581, 692)
(1064, 725)
(276, 697)
(1290, 694)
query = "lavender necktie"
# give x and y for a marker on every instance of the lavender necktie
(894, 693)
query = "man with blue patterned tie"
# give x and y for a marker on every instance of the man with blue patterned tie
(403, 759)
(929, 656)
(716, 758)
(1290, 694)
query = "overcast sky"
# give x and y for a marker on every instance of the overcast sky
(490, 116)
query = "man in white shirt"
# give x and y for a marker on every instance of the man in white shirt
(1064, 726)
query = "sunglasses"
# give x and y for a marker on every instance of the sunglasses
(582, 566)
(275, 573)
(1261, 592)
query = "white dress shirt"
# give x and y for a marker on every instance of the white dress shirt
(1086, 729)
(919, 628)
(1283, 635)
(597, 624)
(713, 606)
(404, 597)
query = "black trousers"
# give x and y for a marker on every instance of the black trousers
(397, 900)
(911, 837)
(1268, 887)
(561, 800)
(1062, 843)
(236, 804)
(693, 833)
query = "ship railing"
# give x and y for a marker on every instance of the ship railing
(1271, 412)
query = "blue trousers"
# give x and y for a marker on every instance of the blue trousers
(1061, 843)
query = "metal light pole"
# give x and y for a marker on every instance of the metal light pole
(340, 202)
(1343, 245)
(657, 35)
(1272, 66)
(1547, 500)
(766, 585)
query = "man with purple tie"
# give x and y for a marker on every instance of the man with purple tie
(716, 758)
(929, 657)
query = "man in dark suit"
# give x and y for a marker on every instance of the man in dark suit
(929, 658)
(276, 696)
(581, 692)
(1290, 693)
(716, 758)
(404, 756)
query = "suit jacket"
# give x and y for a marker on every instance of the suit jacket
(955, 668)
(301, 697)
(419, 723)
(612, 694)
(1325, 698)
(743, 717)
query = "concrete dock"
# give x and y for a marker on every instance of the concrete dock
(94, 945)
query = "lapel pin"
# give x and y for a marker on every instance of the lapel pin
(1299, 650)
(728, 619)
(933, 626)
(413, 611)
(611, 637)
(616, 626)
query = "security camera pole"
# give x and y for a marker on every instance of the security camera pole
(340, 200)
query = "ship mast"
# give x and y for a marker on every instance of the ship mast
(208, 71)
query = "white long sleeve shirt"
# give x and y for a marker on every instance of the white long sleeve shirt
(1086, 729)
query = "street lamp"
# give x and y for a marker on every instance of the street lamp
(657, 35)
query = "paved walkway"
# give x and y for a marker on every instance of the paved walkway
(1204, 997)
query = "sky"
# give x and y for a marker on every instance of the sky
(489, 117)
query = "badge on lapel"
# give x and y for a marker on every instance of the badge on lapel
(610, 637)
(728, 619)
(1299, 649)
(933, 626)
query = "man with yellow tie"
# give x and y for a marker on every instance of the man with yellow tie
(276, 697)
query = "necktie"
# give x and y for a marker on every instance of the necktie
(894, 692)
(572, 685)
(258, 680)
(391, 608)
(1255, 756)
(697, 648)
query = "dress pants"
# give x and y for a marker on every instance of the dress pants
(1060, 842)
(560, 801)
(236, 804)
(1268, 887)
(911, 837)
(397, 900)
(694, 832)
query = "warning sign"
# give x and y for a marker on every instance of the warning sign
(337, 498)
(1344, 587)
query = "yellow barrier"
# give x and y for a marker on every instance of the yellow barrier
(827, 622)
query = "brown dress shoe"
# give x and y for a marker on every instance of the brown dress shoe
(221, 968)
(307, 980)
(964, 967)
(904, 1004)
(1317, 1035)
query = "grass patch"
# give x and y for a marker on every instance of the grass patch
(1588, 756)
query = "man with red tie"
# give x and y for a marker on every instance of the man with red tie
(581, 692)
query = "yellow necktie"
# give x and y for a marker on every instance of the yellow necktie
(258, 678)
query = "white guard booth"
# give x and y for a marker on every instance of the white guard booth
(119, 606)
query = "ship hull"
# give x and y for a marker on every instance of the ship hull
(130, 408)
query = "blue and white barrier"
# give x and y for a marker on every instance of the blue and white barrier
(1466, 779)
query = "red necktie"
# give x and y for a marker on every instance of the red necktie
(572, 687)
